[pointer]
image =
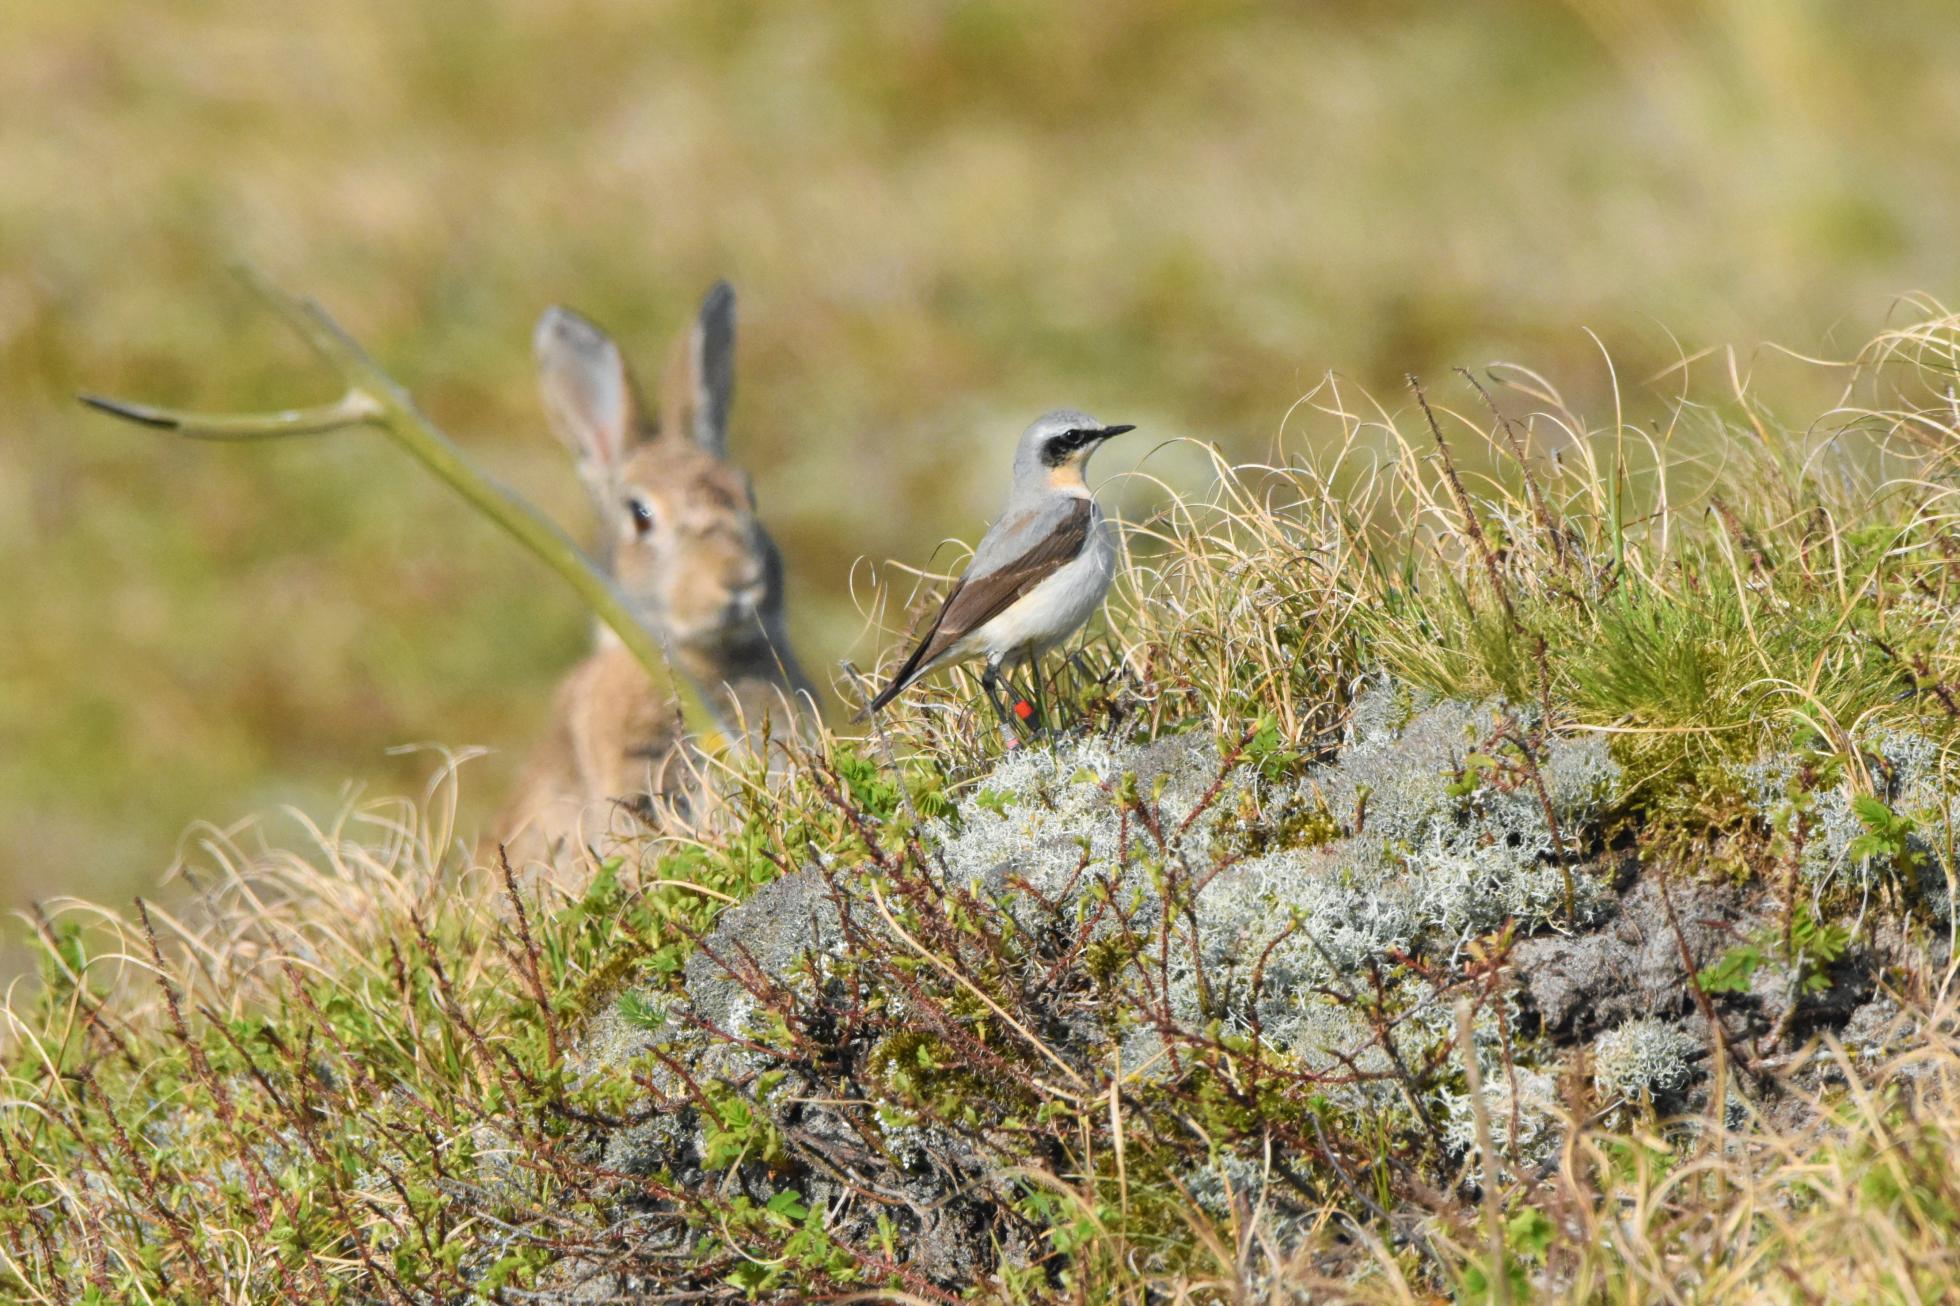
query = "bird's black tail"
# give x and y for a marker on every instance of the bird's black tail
(887, 694)
(901, 680)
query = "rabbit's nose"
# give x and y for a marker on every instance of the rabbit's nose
(750, 595)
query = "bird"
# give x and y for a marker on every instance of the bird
(1041, 570)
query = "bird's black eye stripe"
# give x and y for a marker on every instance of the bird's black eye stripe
(1060, 446)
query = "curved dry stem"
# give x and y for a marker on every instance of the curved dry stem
(373, 398)
(352, 409)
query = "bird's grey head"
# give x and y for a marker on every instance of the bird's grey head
(1057, 445)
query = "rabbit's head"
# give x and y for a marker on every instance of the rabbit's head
(677, 521)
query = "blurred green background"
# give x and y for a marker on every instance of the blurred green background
(942, 218)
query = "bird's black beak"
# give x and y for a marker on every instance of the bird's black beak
(1109, 431)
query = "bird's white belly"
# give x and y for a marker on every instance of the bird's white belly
(1053, 610)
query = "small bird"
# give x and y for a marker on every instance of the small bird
(1040, 571)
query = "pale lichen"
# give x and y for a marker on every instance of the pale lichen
(1646, 1058)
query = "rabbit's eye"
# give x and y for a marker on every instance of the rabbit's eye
(641, 513)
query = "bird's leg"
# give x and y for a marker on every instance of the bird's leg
(990, 681)
(1040, 703)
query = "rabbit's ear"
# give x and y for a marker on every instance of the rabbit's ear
(701, 378)
(588, 393)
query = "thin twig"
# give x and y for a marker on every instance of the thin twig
(1471, 526)
(534, 973)
(1539, 504)
(940, 963)
(884, 741)
(1499, 1280)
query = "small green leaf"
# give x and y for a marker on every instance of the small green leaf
(1530, 1232)
(1733, 972)
(642, 1014)
(788, 1204)
(1875, 814)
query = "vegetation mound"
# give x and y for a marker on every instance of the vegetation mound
(1512, 858)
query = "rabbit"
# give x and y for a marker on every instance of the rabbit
(679, 533)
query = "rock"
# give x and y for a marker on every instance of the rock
(766, 938)
(1631, 967)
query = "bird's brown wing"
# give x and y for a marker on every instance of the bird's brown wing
(977, 600)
